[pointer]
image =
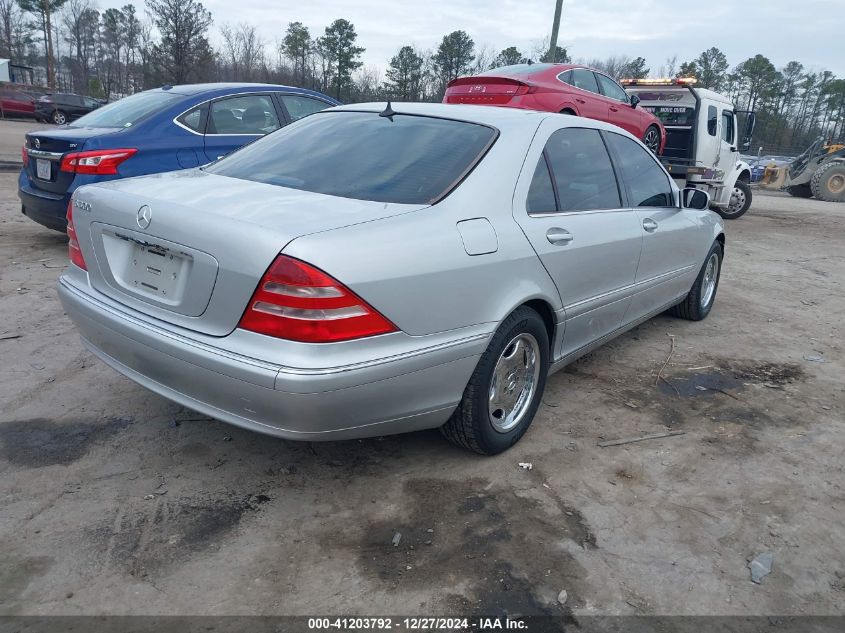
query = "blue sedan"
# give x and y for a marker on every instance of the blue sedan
(169, 128)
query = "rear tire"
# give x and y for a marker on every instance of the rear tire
(699, 301)
(569, 112)
(59, 117)
(740, 201)
(512, 371)
(828, 183)
(651, 139)
(800, 191)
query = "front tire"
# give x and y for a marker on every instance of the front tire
(651, 139)
(59, 117)
(828, 183)
(699, 301)
(505, 390)
(740, 201)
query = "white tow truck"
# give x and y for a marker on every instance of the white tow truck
(702, 140)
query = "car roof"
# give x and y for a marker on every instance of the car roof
(494, 116)
(226, 87)
(486, 115)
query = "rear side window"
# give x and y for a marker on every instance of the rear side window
(648, 184)
(611, 89)
(193, 119)
(584, 79)
(582, 170)
(299, 106)
(405, 159)
(541, 194)
(128, 111)
(249, 114)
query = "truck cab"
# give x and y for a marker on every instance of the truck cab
(703, 140)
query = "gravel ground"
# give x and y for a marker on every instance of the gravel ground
(115, 501)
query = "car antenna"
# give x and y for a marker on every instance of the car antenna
(387, 112)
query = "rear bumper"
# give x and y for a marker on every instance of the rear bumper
(44, 207)
(393, 395)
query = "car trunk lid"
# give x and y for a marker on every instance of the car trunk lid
(46, 149)
(485, 90)
(189, 247)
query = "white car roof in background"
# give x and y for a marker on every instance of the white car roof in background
(496, 116)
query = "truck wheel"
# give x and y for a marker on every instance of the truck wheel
(740, 201)
(651, 139)
(800, 191)
(829, 183)
(504, 392)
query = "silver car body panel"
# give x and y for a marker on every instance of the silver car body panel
(446, 275)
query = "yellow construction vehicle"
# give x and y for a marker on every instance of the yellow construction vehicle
(819, 172)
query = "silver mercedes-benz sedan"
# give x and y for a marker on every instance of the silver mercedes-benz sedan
(372, 270)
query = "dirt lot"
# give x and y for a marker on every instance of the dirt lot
(115, 501)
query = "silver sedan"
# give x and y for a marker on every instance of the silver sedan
(372, 270)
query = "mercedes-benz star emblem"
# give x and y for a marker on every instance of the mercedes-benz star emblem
(145, 216)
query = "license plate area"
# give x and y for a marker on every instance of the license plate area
(157, 271)
(43, 169)
(136, 269)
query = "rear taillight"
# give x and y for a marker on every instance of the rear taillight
(101, 162)
(295, 301)
(24, 156)
(73, 243)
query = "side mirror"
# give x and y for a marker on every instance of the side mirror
(750, 121)
(634, 101)
(692, 198)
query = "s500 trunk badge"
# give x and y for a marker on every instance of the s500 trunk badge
(144, 217)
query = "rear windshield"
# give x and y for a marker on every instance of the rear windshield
(516, 69)
(409, 159)
(128, 111)
(672, 115)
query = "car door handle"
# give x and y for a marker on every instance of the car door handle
(649, 225)
(559, 236)
(614, 109)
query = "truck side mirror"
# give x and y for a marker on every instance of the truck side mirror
(692, 198)
(634, 101)
(750, 121)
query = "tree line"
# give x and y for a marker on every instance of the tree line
(73, 45)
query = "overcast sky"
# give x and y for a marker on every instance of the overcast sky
(810, 31)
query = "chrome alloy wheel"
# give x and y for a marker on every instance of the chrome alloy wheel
(514, 382)
(737, 201)
(652, 140)
(708, 283)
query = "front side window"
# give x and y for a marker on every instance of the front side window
(584, 79)
(611, 89)
(712, 121)
(727, 126)
(647, 183)
(404, 158)
(299, 106)
(248, 114)
(582, 170)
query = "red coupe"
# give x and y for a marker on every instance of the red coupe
(564, 88)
